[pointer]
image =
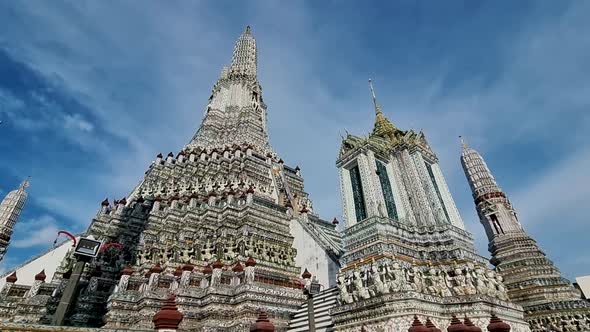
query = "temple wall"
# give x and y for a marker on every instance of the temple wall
(47, 328)
(49, 261)
(311, 256)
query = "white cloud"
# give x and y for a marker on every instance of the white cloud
(76, 121)
(40, 231)
(557, 194)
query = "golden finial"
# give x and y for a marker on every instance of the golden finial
(383, 127)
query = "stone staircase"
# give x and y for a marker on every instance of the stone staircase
(322, 303)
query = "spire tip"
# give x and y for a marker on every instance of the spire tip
(463, 143)
(377, 108)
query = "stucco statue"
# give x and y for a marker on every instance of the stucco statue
(379, 286)
(441, 279)
(249, 274)
(398, 280)
(433, 286)
(481, 281)
(67, 262)
(381, 210)
(415, 275)
(216, 277)
(492, 284)
(144, 256)
(345, 296)
(230, 250)
(460, 284)
(207, 251)
(360, 292)
(186, 255)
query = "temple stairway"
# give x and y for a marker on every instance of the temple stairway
(322, 303)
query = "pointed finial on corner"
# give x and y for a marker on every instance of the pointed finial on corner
(247, 29)
(464, 145)
(377, 108)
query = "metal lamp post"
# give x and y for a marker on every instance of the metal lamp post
(86, 250)
(312, 287)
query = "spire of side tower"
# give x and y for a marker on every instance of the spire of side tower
(495, 211)
(532, 280)
(10, 210)
(478, 174)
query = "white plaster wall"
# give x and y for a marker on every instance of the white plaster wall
(311, 256)
(584, 283)
(48, 261)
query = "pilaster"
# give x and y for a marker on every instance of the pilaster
(366, 170)
(448, 200)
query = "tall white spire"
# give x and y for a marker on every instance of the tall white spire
(236, 113)
(10, 209)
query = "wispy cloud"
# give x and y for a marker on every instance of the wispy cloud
(36, 232)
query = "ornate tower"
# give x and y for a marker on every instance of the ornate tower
(549, 300)
(406, 250)
(224, 224)
(10, 210)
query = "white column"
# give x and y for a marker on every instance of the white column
(402, 178)
(347, 198)
(436, 212)
(397, 188)
(379, 197)
(447, 198)
(365, 169)
(415, 189)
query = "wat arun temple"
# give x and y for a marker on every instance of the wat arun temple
(223, 235)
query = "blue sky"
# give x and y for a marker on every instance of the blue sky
(90, 92)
